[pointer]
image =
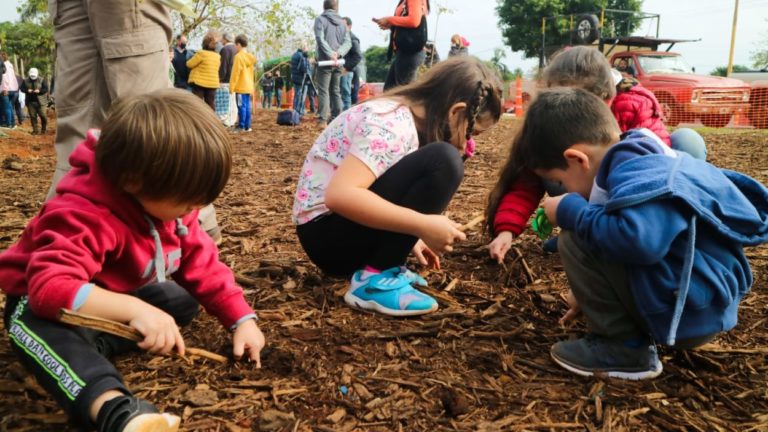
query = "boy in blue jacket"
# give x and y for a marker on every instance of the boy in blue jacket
(652, 239)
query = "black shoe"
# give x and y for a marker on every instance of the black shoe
(593, 355)
(131, 414)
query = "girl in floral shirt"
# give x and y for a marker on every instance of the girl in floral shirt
(376, 180)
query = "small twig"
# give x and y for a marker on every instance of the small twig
(451, 285)
(527, 269)
(124, 331)
(473, 223)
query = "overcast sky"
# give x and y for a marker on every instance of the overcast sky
(709, 20)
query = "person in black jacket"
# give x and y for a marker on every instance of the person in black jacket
(34, 87)
(279, 85)
(351, 60)
(300, 78)
(180, 56)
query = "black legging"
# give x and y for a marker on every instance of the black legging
(424, 181)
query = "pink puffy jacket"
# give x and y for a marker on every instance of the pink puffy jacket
(636, 107)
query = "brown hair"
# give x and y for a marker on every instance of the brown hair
(556, 120)
(458, 79)
(210, 39)
(582, 67)
(168, 144)
(241, 40)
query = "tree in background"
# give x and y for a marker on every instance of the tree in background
(274, 28)
(31, 39)
(722, 70)
(520, 20)
(376, 63)
(497, 63)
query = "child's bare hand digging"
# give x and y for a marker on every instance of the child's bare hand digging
(248, 337)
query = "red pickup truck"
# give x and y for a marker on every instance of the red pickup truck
(683, 95)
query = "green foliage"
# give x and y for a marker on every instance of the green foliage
(31, 43)
(520, 20)
(497, 63)
(376, 63)
(760, 56)
(274, 27)
(34, 11)
(721, 70)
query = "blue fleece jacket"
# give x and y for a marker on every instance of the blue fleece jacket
(680, 225)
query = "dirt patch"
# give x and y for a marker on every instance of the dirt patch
(480, 363)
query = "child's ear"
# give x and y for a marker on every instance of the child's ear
(577, 157)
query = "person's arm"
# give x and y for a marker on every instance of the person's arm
(413, 19)
(346, 45)
(639, 235)
(23, 87)
(322, 44)
(517, 205)
(194, 61)
(43, 87)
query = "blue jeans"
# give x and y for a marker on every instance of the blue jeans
(244, 111)
(278, 98)
(266, 101)
(299, 95)
(689, 141)
(7, 106)
(345, 84)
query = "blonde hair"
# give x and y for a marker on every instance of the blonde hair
(165, 145)
(210, 39)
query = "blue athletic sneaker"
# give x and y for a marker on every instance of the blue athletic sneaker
(413, 277)
(388, 294)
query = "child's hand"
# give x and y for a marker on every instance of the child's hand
(160, 331)
(425, 255)
(500, 246)
(249, 337)
(439, 233)
(573, 308)
(550, 208)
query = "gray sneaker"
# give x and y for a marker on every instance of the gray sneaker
(594, 355)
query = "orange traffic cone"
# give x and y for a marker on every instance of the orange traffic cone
(518, 97)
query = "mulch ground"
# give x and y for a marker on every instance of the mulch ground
(480, 363)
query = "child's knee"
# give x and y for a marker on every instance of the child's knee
(449, 160)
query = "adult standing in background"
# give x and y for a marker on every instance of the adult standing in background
(407, 40)
(299, 78)
(279, 86)
(9, 92)
(180, 57)
(351, 61)
(18, 100)
(106, 50)
(223, 102)
(333, 42)
(34, 87)
(204, 70)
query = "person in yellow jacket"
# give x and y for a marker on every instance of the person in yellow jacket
(204, 70)
(241, 82)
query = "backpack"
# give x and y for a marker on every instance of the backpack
(353, 57)
(410, 40)
(288, 118)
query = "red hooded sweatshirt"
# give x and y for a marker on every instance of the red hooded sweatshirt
(91, 232)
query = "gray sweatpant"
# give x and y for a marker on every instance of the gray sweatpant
(105, 50)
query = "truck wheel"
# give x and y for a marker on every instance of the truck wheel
(716, 120)
(670, 112)
(585, 30)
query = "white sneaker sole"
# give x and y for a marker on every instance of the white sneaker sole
(357, 302)
(154, 423)
(634, 376)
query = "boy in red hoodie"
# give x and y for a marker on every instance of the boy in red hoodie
(123, 221)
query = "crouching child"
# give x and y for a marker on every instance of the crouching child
(652, 240)
(122, 224)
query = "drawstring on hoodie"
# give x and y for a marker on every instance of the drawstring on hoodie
(159, 259)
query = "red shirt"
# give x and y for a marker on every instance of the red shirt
(90, 232)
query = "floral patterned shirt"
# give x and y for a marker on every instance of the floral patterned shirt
(379, 133)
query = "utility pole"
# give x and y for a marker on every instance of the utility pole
(733, 38)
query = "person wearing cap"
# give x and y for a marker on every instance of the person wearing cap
(33, 87)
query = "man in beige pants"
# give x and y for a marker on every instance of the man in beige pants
(105, 50)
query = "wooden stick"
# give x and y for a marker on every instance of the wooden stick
(124, 331)
(473, 223)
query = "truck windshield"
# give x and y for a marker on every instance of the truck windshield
(664, 64)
